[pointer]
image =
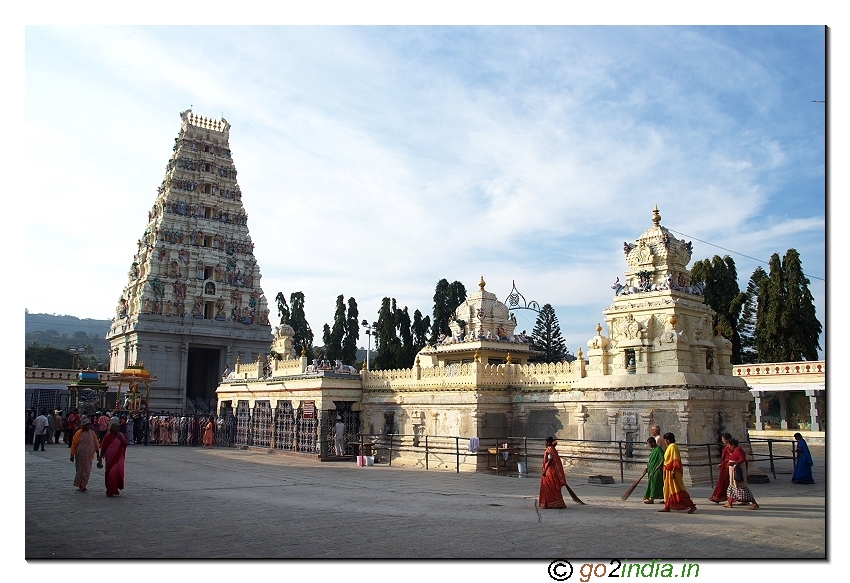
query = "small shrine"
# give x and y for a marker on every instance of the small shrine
(483, 330)
(138, 381)
(87, 381)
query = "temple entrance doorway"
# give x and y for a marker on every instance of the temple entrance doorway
(203, 376)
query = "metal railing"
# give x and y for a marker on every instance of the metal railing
(620, 453)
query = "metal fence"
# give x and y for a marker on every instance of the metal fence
(519, 449)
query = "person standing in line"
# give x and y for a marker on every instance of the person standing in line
(84, 448)
(553, 478)
(41, 426)
(339, 437)
(738, 490)
(102, 425)
(209, 433)
(720, 490)
(803, 467)
(659, 439)
(112, 450)
(59, 425)
(655, 484)
(676, 497)
(51, 426)
(71, 426)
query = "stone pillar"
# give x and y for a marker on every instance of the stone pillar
(580, 417)
(783, 409)
(814, 414)
(320, 423)
(759, 395)
(612, 423)
(645, 424)
(642, 359)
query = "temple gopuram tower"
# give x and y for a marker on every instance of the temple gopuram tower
(193, 301)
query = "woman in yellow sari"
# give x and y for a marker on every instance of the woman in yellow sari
(675, 495)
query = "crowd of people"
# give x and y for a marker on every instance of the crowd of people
(665, 474)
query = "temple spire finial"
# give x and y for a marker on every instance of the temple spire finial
(482, 283)
(656, 216)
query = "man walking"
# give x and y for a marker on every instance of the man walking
(42, 425)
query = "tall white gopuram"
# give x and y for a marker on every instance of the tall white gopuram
(193, 301)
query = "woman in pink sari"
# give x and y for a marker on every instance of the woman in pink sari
(112, 450)
(209, 433)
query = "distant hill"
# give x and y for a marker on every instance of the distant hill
(65, 324)
(63, 331)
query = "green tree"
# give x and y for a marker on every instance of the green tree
(352, 333)
(282, 308)
(440, 323)
(787, 328)
(747, 322)
(800, 318)
(386, 340)
(333, 337)
(447, 298)
(546, 336)
(48, 357)
(404, 351)
(419, 329)
(771, 297)
(724, 296)
(303, 338)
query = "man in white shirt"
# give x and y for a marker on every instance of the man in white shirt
(339, 438)
(42, 424)
(659, 440)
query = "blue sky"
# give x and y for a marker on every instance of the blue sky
(376, 160)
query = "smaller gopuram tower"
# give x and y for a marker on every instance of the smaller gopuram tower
(659, 322)
(193, 301)
(661, 362)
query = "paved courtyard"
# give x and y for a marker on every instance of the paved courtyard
(192, 503)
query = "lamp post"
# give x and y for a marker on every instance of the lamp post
(370, 331)
(77, 350)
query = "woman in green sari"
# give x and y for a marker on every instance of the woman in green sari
(655, 485)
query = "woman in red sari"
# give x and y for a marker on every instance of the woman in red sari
(553, 478)
(719, 494)
(112, 450)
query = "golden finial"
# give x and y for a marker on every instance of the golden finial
(656, 217)
(719, 329)
(417, 361)
(598, 329)
(508, 360)
(482, 283)
(303, 351)
(673, 320)
(238, 360)
(580, 353)
(477, 356)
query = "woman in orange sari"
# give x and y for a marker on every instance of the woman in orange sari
(209, 433)
(719, 494)
(553, 478)
(112, 450)
(675, 495)
(84, 447)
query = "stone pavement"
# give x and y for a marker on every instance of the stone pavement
(192, 503)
